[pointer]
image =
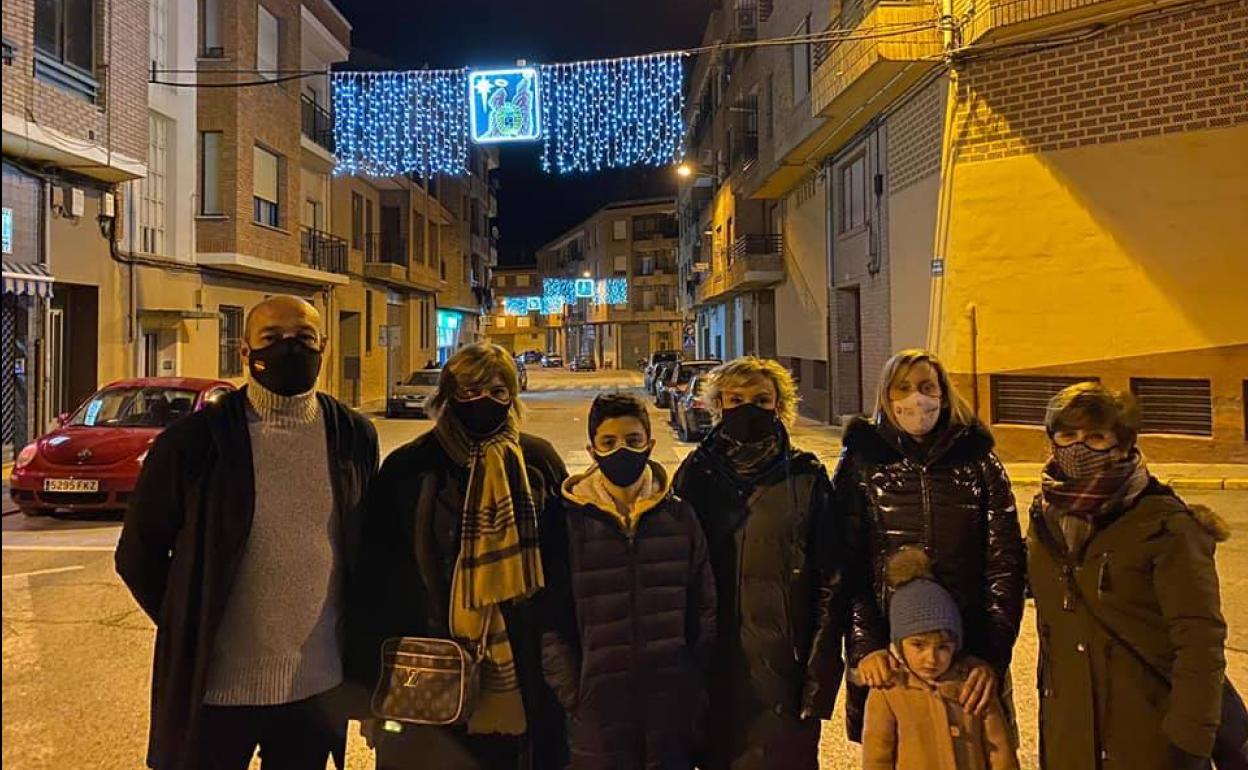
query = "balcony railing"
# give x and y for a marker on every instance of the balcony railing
(322, 250)
(379, 249)
(317, 123)
(757, 244)
(745, 150)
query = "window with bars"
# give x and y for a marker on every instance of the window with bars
(1178, 406)
(152, 210)
(229, 362)
(1022, 400)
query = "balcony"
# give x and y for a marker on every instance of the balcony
(745, 18)
(992, 20)
(322, 251)
(386, 261)
(317, 123)
(753, 262)
(857, 78)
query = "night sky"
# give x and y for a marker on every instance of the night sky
(533, 206)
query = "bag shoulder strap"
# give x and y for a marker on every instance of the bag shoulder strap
(1045, 536)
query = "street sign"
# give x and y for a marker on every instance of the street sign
(8, 230)
(701, 267)
(938, 267)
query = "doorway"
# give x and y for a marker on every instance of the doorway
(151, 354)
(349, 356)
(848, 351)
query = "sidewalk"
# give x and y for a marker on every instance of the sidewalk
(825, 441)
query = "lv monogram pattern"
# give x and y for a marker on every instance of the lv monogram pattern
(425, 681)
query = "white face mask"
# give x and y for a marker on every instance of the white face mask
(917, 414)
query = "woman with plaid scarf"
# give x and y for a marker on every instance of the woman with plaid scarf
(1131, 669)
(454, 546)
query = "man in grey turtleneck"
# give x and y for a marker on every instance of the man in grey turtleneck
(239, 543)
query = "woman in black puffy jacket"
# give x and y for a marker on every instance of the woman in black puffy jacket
(775, 549)
(923, 473)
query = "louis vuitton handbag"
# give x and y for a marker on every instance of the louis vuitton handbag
(427, 681)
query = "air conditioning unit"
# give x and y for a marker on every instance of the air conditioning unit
(71, 201)
(108, 205)
(706, 158)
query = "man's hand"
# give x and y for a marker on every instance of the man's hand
(980, 689)
(876, 670)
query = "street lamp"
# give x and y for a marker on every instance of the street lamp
(684, 170)
(687, 170)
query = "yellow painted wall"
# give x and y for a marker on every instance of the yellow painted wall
(802, 298)
(1121, 249)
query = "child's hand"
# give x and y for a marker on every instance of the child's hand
(980, 689)
(876, 670)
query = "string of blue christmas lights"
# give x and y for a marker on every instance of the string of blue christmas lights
(388, 123)
(613, 113)
(590, 115)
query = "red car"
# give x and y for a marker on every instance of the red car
(92, 462)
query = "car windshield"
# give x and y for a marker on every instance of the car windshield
(689, 372)
(134, 408)
(669, 355)
(424, 378)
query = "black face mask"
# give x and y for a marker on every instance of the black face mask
(749, 423)
(623, 465)
(286, 367)
(482, 416)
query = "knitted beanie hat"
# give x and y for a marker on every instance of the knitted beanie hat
(919, 604)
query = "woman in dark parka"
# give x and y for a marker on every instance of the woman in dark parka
(411, 552)
(923, 474)
(775, 548)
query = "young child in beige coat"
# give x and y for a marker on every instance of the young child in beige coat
(918, 722)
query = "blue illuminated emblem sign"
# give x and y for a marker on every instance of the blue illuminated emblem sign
(506, 105)
(535, 303)
(584, 288)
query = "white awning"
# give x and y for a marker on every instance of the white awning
(23, 278)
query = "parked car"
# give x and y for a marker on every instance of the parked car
(411, 396)
(693, 418)
(678, 381)
(651, 369)
(533, 357)
(661, 373)
(583, 364)
(552, 361)
(90, 464)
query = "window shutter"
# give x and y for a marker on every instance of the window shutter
(1023, 400)
(1174, 406)
(264, 183)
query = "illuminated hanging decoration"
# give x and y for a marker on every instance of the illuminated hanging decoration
(505, 105)
(390, 123)
(557, 293)
(613, 113)
(589, 115)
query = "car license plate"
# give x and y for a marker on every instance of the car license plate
(415, 403)
(71, 485)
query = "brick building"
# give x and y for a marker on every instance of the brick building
(517, 321)
(634, 242)
(75, 123)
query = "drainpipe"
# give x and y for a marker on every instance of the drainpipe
(944, 207)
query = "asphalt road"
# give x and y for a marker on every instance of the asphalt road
(77, 651)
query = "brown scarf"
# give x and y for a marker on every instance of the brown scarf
(499, 561)
(1074, 506)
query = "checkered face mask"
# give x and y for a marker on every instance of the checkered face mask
(1080, 461)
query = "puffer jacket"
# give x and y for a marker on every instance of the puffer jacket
(409, 547)
(776, 551)
(1148, 573)
(954, 501)
(631, 626)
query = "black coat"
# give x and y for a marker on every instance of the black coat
(775, 544)
(410, 545)
(184, 535)
(954, 501)
(631, 631)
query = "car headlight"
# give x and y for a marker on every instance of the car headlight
(26, 456)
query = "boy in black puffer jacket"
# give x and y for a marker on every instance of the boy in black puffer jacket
(631, 612)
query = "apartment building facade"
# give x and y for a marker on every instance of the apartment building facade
(1038, 192)
(629, 244)
(75, 124)
(517, 320)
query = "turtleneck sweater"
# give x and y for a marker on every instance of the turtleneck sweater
(279, 639)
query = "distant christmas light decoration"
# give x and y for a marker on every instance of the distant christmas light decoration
(557, 293)
(585, 288)
(613, 291)
(589, 115)
(505, 105)
(391, 123)
(516, 306)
